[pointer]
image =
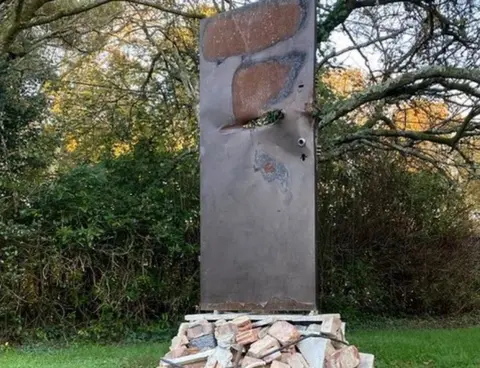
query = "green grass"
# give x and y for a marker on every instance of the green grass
(442, 348)
(393, 348)
(140, 355)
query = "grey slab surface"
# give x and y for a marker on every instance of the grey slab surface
(258, 185)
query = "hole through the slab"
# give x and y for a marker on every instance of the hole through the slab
(303, 156)
(269, 118)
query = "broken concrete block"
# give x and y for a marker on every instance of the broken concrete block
(284, 332)
(199, 329)
(179, 341)
(241, 320)
(278, 364)
(340, 336)
(314, 328)
(195, 365)
(247, 337)
(251, 362)
(221, 358)
(300, 328)
(331, 326)
(181, 352)
(182, 329)
(273, 356)
(220, 322)
(366, 361)
(176, 352)
(291, 349)
(204, 342)
(225, 334)
(347, 357)
(263, 332)
(263, 346)
(297, 361)
(313, 350)
(318, 329)
(284, 357)
(264, 322)
(330, 348)
(190, 359)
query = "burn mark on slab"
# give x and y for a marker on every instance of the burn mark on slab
(257, 85)
(253, 28)
(272, 170)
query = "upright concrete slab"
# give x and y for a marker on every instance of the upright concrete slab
(258, 185)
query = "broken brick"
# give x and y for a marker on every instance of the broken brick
(243, 323)
(176, 352)
(178, 341)
(348, 357)
(297, 361)
(247, 337)
(331, 326)
(180, 352)
(284, 357)
(182, 329)
(284, 332)
(273, 356)
(201, 328)
(278, 364)
(263, 347)
(195, 365)
(249, 361)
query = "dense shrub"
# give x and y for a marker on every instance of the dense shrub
(115, 244)
(393, 240)
(111, 243)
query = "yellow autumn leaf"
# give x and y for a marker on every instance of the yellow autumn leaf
(420, 114)
(120, 149)
(344, 82)
(206, 10)
(71, 144)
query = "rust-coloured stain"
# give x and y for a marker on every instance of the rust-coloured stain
(269, 168)
(254, 86)
(258, 85)
(252, 29)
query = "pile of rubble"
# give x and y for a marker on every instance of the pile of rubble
(273, 341)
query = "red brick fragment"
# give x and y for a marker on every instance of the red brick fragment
(247, 337)
(251, 29)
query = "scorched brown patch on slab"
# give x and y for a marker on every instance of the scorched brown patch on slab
(251, 30)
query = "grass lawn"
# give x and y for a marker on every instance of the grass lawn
(393, 348)
(443, 348)
(141, 355)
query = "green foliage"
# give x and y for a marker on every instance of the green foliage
(394, 240)
(22, 108)
(105, 246)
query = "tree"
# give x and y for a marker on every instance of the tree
(24, 148)
(413, 51)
